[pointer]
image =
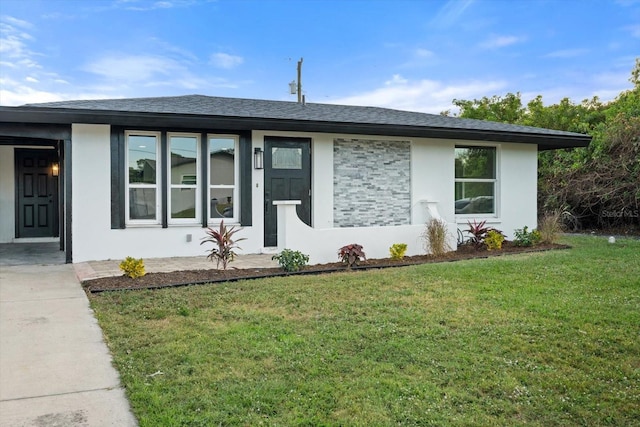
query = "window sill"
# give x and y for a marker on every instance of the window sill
(142, 225)
(463, 219)
(227, 221)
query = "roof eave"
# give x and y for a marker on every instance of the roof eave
(191, 121)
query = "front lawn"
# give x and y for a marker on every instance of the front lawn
(542, 339)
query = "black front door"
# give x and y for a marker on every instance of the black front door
(36, 193)
(287, 176)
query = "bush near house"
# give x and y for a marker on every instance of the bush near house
(224, 243)
(479, 232)
(290, 260)
(434, 237)
(550, 226)
(524, 237)
(494, 240)
(397, 251)
(133, 267)
(351, 254)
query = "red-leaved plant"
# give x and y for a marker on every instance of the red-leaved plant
(479, 232)
(224, 244)
(351, 254)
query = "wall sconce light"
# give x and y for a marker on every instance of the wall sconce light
(55, 168)
(258, 158)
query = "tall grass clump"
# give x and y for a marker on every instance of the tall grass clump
(435, 237)
(550, 226)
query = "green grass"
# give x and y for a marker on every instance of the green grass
(544, 339)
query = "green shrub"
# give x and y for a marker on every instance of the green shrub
(351, 254)
(132, 267)
(290, 260)
(524, 237)
(435, 237)
(494, 240)
(397, 251)
(224, 244)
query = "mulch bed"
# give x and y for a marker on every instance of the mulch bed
(198, 277)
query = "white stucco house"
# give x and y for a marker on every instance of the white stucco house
(143, 177)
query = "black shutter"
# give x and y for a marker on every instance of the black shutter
(118, 169)
(246, 168)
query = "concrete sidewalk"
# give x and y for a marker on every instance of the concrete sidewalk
(55, 369)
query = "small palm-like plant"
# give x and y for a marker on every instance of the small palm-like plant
(224, 244)
(478, 232)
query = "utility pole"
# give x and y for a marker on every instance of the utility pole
(296, 87)
(300, 81)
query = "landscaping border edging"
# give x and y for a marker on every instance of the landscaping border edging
(310, 271)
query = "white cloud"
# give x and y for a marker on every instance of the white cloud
(605, 85)
(133, 68)
(10, 20)
(226, 61)
(423, 53)
(497, 41)
(142, 5)
(450, 13)
(567, 53)
(13, 41)
(136, 74)
(428, 96)
(396, 79)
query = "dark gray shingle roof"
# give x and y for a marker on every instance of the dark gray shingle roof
(199, 105)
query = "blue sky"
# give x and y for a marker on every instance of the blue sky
(406, 54)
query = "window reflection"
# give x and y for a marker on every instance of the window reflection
(142, 203)
(142, 159)
(222, 155)
(222, 171)
(183, 203)
(184, 151)
(475, 180)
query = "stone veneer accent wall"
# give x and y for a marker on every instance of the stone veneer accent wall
(371, 182)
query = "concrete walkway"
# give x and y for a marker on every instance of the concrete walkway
(95, 269)
(55, 369)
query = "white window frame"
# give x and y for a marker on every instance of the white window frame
(236, 179)
(196, 186)
(157, 186)
(495, 181)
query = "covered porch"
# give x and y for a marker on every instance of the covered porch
(35, 193)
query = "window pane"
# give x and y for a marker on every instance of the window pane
(142, 203)
(221, 204)
(286, 158)
(221, 155)
(183, 203)
(142, 159)
(184, 151)
(474, 197)
(475, 162)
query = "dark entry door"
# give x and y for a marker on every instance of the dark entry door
(287, 176)
(36, 194)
